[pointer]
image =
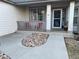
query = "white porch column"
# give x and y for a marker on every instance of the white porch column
(71, 16)
(48, 17)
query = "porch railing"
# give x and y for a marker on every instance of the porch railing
(31, 25)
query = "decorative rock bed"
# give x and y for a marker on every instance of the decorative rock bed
(4, 56)
(35, 39)
(73, 50)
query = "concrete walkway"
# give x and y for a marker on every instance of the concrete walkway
(54, 48)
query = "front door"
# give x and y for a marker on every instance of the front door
(57, 18)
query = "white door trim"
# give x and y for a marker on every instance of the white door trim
(53, 19)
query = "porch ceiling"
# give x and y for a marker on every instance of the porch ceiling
(53, 4)
(26, 2)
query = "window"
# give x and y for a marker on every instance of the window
(75, 20)
(76, 11)
(37, 14)
(76, 15)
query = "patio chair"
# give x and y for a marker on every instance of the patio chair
(28, 25)
(39, 26)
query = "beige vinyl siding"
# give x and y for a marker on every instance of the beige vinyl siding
(9, 14)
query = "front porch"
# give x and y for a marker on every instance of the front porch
(49, 17)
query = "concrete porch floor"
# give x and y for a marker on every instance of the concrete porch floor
(54, 32)
(54, 48)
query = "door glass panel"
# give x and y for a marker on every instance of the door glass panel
(57, 18)
(57, 14)
(56, 22)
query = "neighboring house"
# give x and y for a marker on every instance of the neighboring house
(51, 14)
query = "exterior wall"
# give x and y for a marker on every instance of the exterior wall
(27, 14)
(9, 14)
(23, 13)
(24, 18)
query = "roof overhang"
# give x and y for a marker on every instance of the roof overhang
(26, 2)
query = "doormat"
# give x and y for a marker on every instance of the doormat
(35, 39)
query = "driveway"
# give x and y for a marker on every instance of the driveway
(54, 48)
